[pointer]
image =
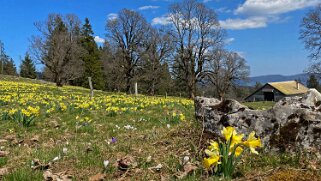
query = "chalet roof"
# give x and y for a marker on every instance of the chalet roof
(289, 87)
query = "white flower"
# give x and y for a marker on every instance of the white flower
(65, 150)
(186, 159)
(149, 159)
(168, 125)
(56, 158)
(106, 163)
(129, 127)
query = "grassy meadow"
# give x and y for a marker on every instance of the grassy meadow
(60, 129)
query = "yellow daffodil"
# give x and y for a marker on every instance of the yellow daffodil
(213, 160)
(26, 112)
(252, 142)
(210, 153)
(238, 151)
(213, 145)
(181, 117)
(174, 114)
(227, 132)
(12, 111)
(236, 139)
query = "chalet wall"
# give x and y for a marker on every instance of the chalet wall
(259, 94)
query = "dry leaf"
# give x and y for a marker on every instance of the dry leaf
(10, 137)
(126, 163)
(188, 169)
(3, 141)
(37, 165)
(4, 171)
(61, 176)
(98, 177)
(156, 168)
(4, 153)
(35, 138)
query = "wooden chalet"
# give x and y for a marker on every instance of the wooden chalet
(274, 91)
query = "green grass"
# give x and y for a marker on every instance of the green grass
(87, 145)
(262, 105)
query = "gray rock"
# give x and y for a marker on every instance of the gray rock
(294, 123)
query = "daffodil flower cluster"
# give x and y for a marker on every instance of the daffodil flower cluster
(222, 157)
(35, 99)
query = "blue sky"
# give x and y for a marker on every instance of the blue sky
(265, 32)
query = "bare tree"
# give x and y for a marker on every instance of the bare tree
(113, 69)
(310, 34)
(224, 69)
(157, 53)
(195, 31)
(57, 47)
(128, 33)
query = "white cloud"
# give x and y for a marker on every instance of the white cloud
(273, 7)
(162, 20)
(99, 40)
(223, 10)
(229, 40)
(148, 7)
(112, 16)
(259, 13)
(239, 24)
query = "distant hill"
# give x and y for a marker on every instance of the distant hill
(276, 78)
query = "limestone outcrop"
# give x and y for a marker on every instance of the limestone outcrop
(292, 123)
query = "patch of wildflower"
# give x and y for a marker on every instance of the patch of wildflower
(31, 100)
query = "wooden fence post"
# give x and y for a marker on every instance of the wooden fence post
(91, 88)
(136, 89)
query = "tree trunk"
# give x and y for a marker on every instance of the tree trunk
(191, 90)
(128, 84)
(152, 88)
(58, 80)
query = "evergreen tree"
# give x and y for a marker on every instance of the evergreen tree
(91, 58)
(313, 82)
(9, 67)
(27, 68)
